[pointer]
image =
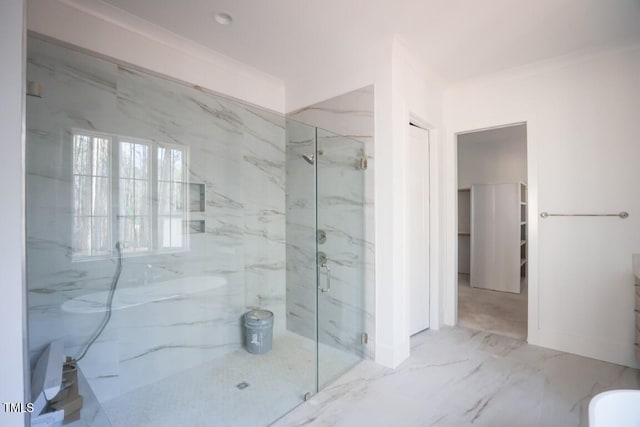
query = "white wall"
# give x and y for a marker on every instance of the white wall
(583, 122)
(12, 305)
(416, 94)
(338, 76)
(109, 31)
(492, 156)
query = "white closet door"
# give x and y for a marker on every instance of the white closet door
(495, 237)
(417, 255)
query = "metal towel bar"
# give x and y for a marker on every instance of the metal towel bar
(622, 215)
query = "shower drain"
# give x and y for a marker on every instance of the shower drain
(242, 385)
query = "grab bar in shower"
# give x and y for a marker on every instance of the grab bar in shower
(622, 214)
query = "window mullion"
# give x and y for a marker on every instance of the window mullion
(171, 194)
(115, 190)
(92, 141)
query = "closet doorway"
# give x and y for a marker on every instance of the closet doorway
(492, 230)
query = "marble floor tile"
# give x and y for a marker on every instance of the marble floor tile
(502, 313)
(458, 377)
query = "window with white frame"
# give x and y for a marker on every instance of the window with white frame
(134, 173)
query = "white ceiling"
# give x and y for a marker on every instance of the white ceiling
(459, 39)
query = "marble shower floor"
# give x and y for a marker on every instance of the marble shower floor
(502, 313)
(207, 396)
(458, 377)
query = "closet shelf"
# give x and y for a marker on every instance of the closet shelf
(464, 229)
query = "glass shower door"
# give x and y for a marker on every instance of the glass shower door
(301, 268)
(340, 254)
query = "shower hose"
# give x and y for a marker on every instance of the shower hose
(107, 316)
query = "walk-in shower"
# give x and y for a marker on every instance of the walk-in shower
(203, 208)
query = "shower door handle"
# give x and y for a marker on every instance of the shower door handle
(326, 267)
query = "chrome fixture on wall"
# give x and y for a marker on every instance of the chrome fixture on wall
(310, 158)
(322, 262)
(622, 214)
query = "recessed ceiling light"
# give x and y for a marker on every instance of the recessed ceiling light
(223, 18)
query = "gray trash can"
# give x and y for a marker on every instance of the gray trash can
(258, 326)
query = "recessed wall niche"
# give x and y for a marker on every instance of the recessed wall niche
(196, 197)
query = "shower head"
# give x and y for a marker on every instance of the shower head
(309, 158)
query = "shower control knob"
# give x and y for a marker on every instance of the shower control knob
(322, 259)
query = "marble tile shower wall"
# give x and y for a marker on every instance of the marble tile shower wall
(236, 151)
(336, 207)
(352, 115)
(301, 231)
(340, 194)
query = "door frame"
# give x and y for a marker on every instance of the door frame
(451, 171)
(427, 226)
(435, 232)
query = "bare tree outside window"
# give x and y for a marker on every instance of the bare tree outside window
(133, 173)
(134, 216)
(91, 224)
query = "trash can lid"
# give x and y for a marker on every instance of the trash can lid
(258, 315)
